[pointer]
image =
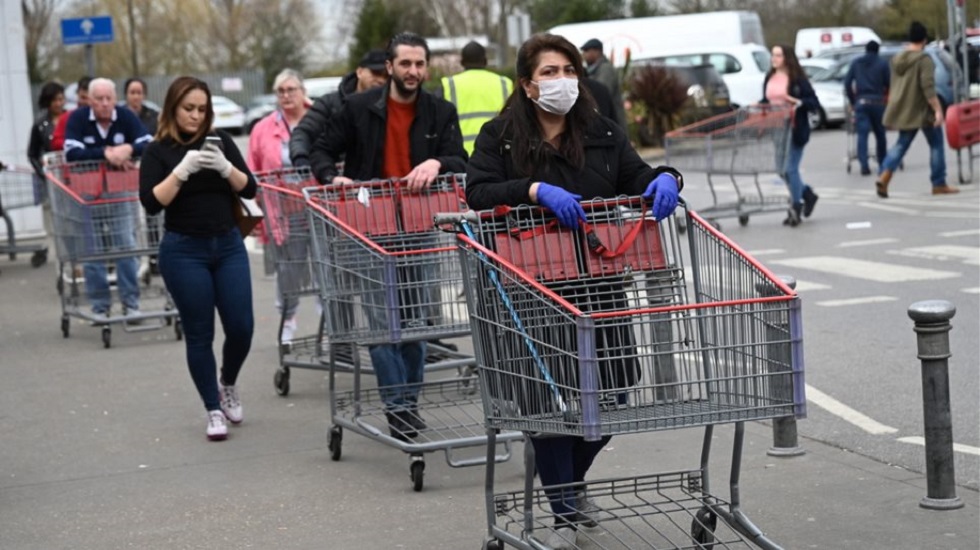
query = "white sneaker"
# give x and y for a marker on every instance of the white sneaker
(217, 429)
(588, 511)
(562, 538)
(288, 331)
(231, 405)
(133, 317)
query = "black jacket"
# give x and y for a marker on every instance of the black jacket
(802, 90)
(315, 120)
(612, 167)
(868, 77)
(358, 132)
(40, 142)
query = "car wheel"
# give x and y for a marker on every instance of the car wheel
(817, 119)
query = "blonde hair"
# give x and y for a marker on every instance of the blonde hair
(285, 75)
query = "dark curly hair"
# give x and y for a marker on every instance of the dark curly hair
(49, 91)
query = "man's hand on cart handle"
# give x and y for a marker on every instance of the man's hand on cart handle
(663, 190)
(118, 155)
(563, 204)
(422, 176)
(341, 180)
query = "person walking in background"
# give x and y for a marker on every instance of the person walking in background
(477, 93)
(202, 256)
(135, 92)
(370, 74)
(268, 149)
(58, 136)
(549, 146)
(105, 132)
(599, 68)
(396, 131)
(866, 86)
(913, 106)
(51, 101)
(787, 85)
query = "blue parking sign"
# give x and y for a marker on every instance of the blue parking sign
(86, 30)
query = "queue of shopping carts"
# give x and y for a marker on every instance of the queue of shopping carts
(743, 145)
(606, 331)
(99, 225)
(289, 238)
(20, 188)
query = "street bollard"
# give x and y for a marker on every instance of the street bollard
(932, 328)
(785, 442)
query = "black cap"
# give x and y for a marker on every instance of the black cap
(871, 47)
(592, 44)
(917, 32)
(374, 60)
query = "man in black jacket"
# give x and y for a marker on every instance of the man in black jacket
(866, 86)
(370, 73)
(398, 131)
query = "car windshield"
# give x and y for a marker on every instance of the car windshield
(762, 60)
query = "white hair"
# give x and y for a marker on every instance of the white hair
(102, 83)
(285, 75)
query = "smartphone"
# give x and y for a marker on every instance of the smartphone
(214, 141)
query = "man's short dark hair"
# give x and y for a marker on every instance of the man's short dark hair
(871, 47)
(84, 82)
(406, 39)
(917, 32)
(473, 55)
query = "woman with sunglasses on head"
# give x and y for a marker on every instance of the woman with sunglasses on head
(549, 146)
(197, 183)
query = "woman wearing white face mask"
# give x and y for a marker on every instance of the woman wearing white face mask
(550, 147)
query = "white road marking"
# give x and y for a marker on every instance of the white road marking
(766, 252)
(887, 208)
(844, 412)
(957, 447)
(974, 290)
(957, 215)
(864, 269)
(869, 242)
(969, 254)
(807, 286)
(963, 233)
(856, 301)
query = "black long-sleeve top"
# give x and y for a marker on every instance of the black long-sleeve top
(203, 207)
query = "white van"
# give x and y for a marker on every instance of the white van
(646, 37)
(743, 67)
(812, 41)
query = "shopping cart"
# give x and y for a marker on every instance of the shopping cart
(288, 235)
(751, 141)
(387, 276)
(98, 219)
(592, 333)
(19, 189)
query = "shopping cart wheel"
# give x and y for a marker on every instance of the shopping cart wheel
(743, 220)
(281, 380)
(147, 278)
(65, 326)
(39, 258)
(335, 440)
(848, 167)
(178, 330)
(493, 544)
(106, 337)
(417, 472)
(60, 285)
(703, 528)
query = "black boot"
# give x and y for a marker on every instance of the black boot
(399, 426)
(793, 215)
(414, 419)
(809, 200)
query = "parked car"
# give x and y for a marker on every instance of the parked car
(813, 66)
(228, 115)
(318, 87)
(258, 108)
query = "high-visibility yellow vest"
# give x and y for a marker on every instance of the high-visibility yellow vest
(478, 95)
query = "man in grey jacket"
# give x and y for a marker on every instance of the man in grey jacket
(600, 69)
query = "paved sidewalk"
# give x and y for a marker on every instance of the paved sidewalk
(105, 449)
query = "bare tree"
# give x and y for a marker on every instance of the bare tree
(37, 15)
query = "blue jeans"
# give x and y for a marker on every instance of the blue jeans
(112, 231)
(400, 369)
(792, 172)
(937, 153)
(561, 460)
(203, 274)
(867, 118)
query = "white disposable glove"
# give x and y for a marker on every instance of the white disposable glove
(214, 159)
(190, 164)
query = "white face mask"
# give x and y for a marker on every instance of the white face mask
(557, 95)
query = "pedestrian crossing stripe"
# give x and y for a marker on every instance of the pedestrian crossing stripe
(808, 286)
(864, 269)
(970, 255)
(856, 301)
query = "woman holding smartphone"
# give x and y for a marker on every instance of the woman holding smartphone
(196, 177)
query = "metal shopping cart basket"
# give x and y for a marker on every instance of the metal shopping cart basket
(387, 276)
(98, 219)
(594, 333)
(749, 142)
(19, 189)
(287, 231)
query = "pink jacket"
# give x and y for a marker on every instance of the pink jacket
(266, 141)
